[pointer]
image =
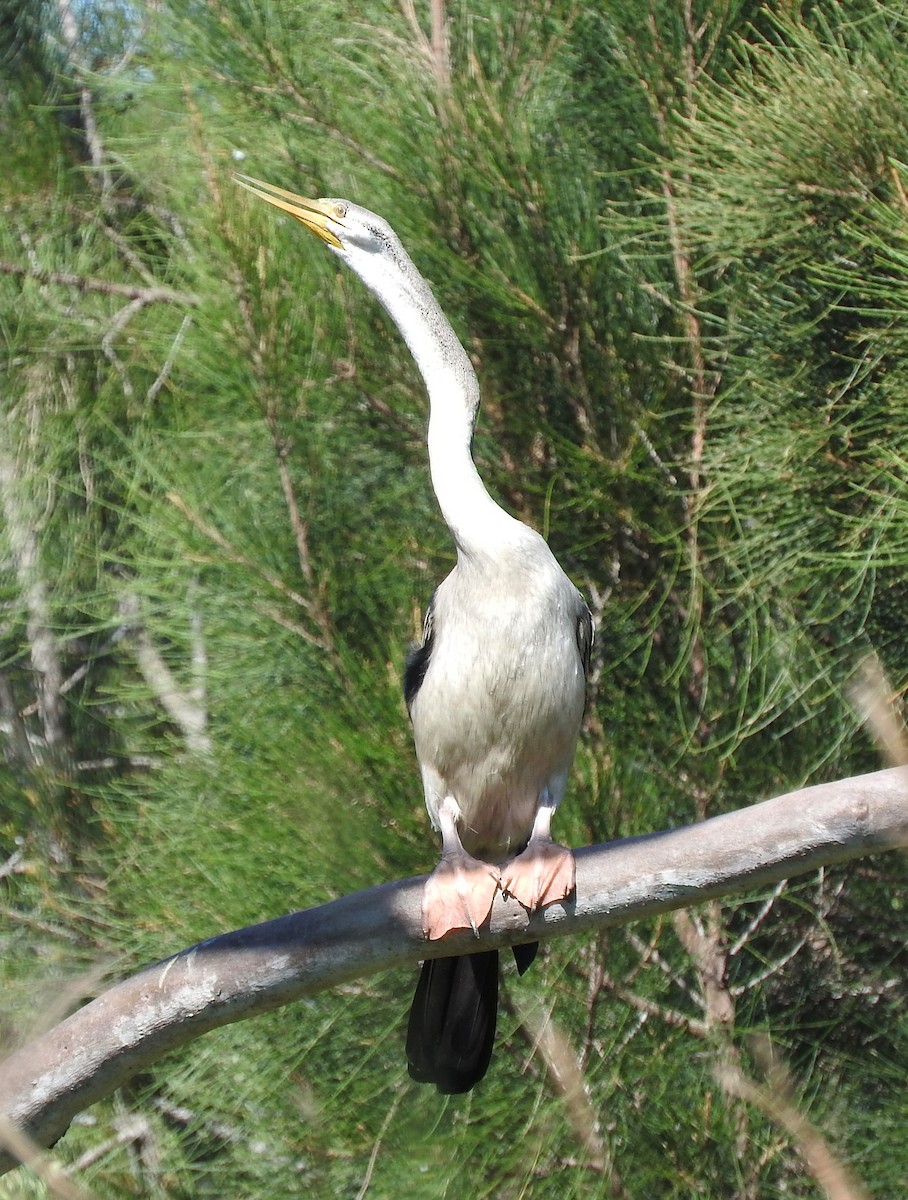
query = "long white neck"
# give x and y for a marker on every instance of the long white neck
(476, 521)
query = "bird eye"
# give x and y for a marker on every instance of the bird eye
(340, 211)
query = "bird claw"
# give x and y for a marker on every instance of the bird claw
(542, 874)
(458, 895)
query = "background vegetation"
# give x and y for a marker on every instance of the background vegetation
(674, 237)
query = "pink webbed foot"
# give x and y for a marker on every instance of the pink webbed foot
(542, 874)
(458, 895)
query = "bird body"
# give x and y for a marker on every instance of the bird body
(495, 691)
(496, 716)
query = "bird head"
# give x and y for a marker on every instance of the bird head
(353, 233)
(373, 251)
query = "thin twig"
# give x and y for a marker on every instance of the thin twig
(164, 373)
(373, 1157)
(872, 695)
(107, 287)
(234, 555)
(186, 712)
(47, 1169)
(775, 1100)
(549, 1042)
(134, 1129)
(651, 1008)
(83, 669)
(116, 327)
(71, 37)
(757, 920)
(17, 506)
(12, 865)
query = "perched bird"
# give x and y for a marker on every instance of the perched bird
(497, 688)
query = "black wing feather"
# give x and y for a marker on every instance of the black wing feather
(585, 637)
(418, 657)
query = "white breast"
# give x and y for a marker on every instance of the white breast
(497, 716)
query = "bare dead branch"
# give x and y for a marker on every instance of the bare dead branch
(18, 507)
(17, 747)
(13, 864)
(107, 287)
(775, 1100)
(373, 1157)
(164, 373)
(184, 707)
(119, 323)
(647, 1008)
(706, 948)
(824, 903)
(45, 1167)
(408, 8)
(758, 919)
(116, 327)
(236, 556)
(550, 1044)
(133, 1129)
(649, 954)
(251, 971)
(873, 697)
(441, 53)
(33, 922)
(83, 669)
(70, 30)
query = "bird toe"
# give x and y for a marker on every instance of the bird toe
(542, 874)
(459, 895)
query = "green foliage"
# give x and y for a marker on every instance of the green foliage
(673, 238)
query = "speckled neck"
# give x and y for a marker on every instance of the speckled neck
(478, 524)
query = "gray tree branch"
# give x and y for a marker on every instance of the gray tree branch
(106, 287)
(250, 971)
(185, 707)
(22, 514)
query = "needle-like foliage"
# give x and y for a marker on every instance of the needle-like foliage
(673, 239)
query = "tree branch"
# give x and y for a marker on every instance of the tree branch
(251, 971)
(21, 511)
(107, 287)
(185, 708)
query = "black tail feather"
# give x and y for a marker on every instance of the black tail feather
(452, 1021)
(525, 955)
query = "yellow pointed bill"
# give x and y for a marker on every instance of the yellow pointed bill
(313, 214)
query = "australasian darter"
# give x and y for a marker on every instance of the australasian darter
(495, 691)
